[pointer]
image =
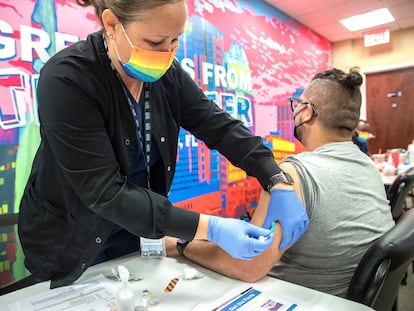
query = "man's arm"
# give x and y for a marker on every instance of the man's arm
(214, 258)
(211, 256)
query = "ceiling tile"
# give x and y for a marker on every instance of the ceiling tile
(322, 16)
(317, 19)
(403, 11)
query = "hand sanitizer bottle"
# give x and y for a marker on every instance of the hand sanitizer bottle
(126, 297)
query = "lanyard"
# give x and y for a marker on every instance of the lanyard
(146, 118)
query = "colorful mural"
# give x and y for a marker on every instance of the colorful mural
(246, 55)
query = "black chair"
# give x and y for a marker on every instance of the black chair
(376, 280)
(399, 193)
(400, 189)
(6, 221)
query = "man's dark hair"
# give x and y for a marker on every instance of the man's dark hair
(337, 98)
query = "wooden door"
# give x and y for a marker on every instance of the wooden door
(390, 109)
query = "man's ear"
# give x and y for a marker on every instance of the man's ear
(308, 113)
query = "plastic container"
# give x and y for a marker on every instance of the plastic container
(411, 147)
(378, 158)
(126, 296)
(410, 153)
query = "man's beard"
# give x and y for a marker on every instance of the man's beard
(298, 134)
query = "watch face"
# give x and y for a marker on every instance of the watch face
(280, 177)
(182, 242)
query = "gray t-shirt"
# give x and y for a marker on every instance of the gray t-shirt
(347, 207)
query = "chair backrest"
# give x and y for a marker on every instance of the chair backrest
(377, 278)
(399, 190)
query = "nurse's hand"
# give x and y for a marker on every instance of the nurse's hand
(238, 238)
(285, 207)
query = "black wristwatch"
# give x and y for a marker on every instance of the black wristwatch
(181, 244)
(280, 177)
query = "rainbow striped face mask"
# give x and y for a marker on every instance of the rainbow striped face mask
(363, 137)
(145, 65)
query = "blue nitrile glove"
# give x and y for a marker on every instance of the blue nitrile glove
(238, 238)
(285, 207)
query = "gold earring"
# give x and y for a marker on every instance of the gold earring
(110, 35)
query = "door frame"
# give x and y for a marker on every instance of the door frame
(364, 72)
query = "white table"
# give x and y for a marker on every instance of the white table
(187, 294)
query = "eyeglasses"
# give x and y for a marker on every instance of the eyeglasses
(295, 102)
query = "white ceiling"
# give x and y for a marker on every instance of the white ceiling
(322, 16)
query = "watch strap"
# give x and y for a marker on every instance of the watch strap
(181, 245)
(281, 177)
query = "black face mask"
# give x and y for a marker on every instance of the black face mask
(297, 135)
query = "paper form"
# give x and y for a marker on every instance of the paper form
(98, 294)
